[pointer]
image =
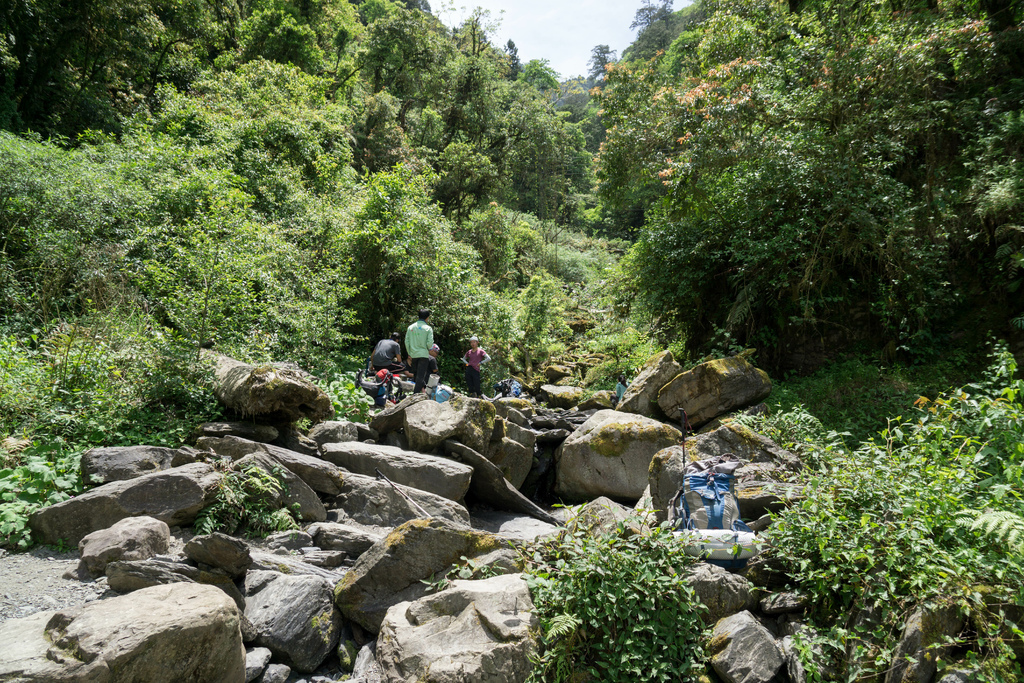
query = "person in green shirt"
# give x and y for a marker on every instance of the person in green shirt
(419, 337)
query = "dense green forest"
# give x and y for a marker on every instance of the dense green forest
(838, 185)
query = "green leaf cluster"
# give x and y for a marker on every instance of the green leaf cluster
(248, 501)
(615, 608)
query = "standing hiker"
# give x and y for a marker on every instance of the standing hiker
(473, 358)
(620, 389)
(419, 337)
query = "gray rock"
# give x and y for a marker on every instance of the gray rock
(338, 431)
(761, 523)
(609, 455)
(392, 417)
(366, 669)
(509, 413)
(923, 640)
(511, 525)
(132, 538)
(246, 430)
(276, 673)
(491, 486)
(165, 634)
(441, 476)
(553, 373)
(289, 540)
(758, 498)
(293, 440)
(104, 465)
(320, 475)
(553, 436)
(221, 551)
(296, 619)
(641, 395)
(513, 459)
(960, 676)
(562, 397)
(523, 405)
(256, 660)
(783, 603)
(326, 558)
(714, 388)
(128, 576)
(723, 593)
(367, 433)
(600, 400)
(473, 631)
(428, 424)
(391, 571)
(173, 496)
(296, 491)
(291, 565)
(743, 651)
(376, 503)
(343, 537)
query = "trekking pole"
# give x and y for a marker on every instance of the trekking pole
(380, 475)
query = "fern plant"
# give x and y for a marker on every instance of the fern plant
(1001, 527)
(249, 499)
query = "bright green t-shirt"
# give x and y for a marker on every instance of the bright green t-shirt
(418, 339)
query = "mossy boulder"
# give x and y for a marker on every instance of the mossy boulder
(600, 400)
(428, 424)
(714, 388)
(393, 569)
(553, 373)
(563, 396)
(609, 455)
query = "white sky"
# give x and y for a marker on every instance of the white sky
(561, 31)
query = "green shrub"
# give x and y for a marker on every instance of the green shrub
(615, 608)
(248, 500)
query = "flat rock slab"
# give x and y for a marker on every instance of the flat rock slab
(511, 525)
(104, 465)
(490, 486)
(353, 541)
(441, 476)
(165, 634)
(291, 565)
(609, 455)
(221, 551)
(374, 502)
(127, 576)
(472, 631)
(335, 431)
(246, 430)
(392, 570)
(173, 496)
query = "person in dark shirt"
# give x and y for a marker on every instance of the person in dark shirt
(387, 355)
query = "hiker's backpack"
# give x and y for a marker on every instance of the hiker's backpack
(509, 387)
(707, 499)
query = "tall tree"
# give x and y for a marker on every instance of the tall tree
(600, 57)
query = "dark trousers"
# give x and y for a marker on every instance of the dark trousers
(420, 369)
(473, 381)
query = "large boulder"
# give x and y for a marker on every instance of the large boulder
(374, 502)
(927, 636)
(600, 516)
(714, 388)
(164, 634)
(393, 569)
(600, 400)
(474, 631)
(320, 475)
(428, 424)
(562, 396)
(489, 485)
(441, 476)
(641, 395)
(296, 491)
(609, 455)
(295, 618)
(173, 496)
(278, 392)
(758, 489)
(393, 416)
(104, 465)
(553, 373)
(743, 651)
(132, 538)
(337, 431)
(342, 537)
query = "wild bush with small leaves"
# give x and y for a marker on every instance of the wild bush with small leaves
(615, 608)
